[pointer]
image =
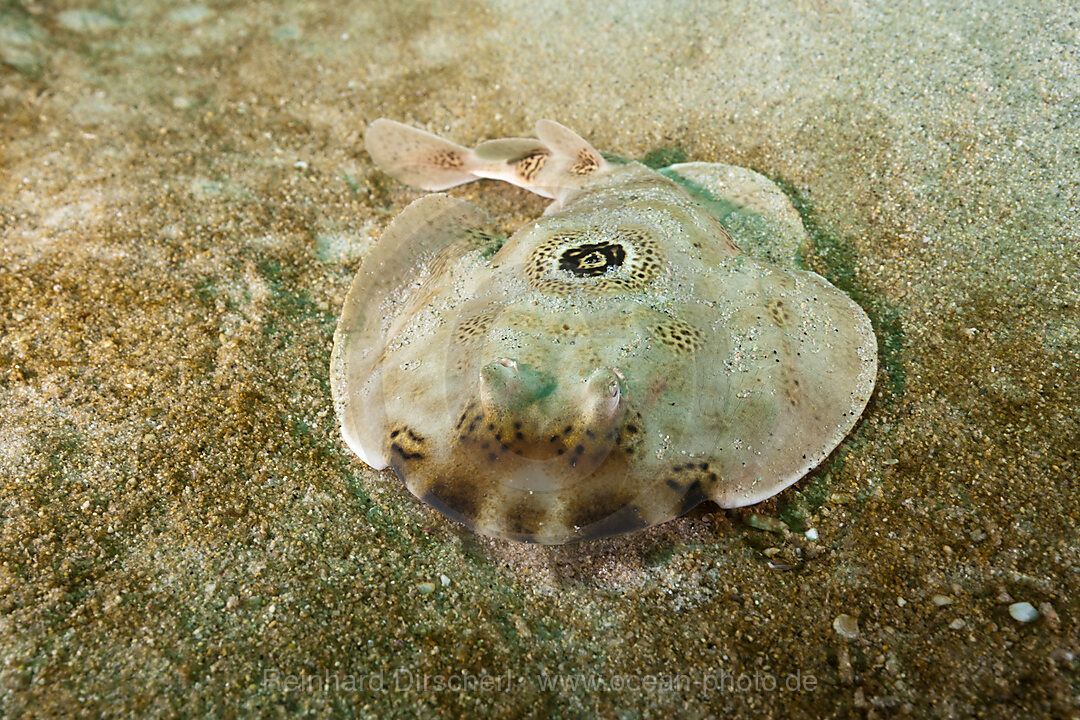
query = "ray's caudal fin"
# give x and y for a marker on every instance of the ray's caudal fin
(559, 160)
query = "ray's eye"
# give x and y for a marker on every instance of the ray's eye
(592, 259)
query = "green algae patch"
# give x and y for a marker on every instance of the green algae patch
(662, 157)
(840, 267)
(725, 210)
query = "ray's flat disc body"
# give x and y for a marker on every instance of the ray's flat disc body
(609, 366)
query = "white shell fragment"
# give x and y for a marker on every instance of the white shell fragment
(609, 366)
(1023, 612)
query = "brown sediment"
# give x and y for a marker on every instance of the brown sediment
(184, 200)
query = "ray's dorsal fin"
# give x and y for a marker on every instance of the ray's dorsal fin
(509, 150)
(562, 162)
(564, 141)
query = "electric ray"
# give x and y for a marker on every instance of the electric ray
(610, 365)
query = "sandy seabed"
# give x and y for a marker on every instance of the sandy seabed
(185, 196)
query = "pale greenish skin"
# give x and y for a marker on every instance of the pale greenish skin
(575, 392)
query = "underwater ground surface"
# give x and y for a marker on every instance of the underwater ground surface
(185, 197)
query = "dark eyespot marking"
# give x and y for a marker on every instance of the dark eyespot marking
(592, 259)
(597, 261)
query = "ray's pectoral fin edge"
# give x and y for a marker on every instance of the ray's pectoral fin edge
(421, 242)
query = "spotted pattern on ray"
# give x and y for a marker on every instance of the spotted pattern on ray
(531, 164)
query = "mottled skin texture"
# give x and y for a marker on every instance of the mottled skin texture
(607, 368)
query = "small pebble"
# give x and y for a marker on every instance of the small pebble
(957, 624)
(1023, 612)
(941, 600)
(87, 21)
(444, 580)
(764, 522)
(846, 626)
(812, 534)
(1061, 655)
(426, 588)
(1047, 611)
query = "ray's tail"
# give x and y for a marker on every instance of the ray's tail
(559, 160)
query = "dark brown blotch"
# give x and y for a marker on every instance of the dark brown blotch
(587, 163)
(405, 454)
(525, 518)
(447, 159)
(454, 498)
(695, 495)
(626, 518)
(531, 164)
(594, 509)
